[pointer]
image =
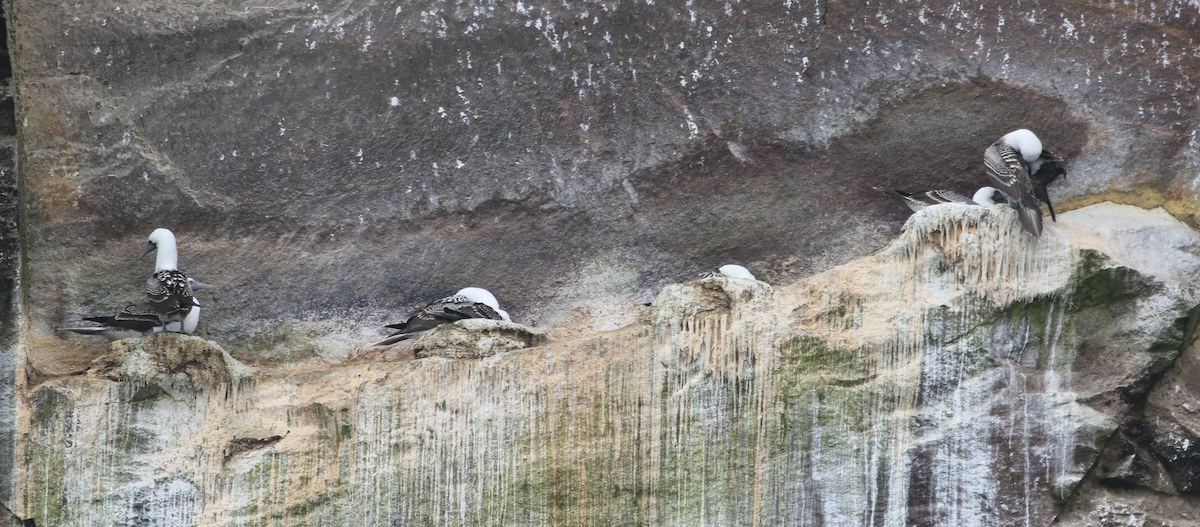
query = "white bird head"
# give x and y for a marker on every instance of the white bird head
(985, 196)
(504, 315)
(1026, 143)
(736, 271)
(482, 296)
(168, 257)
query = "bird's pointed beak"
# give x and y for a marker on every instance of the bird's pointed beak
(150, 247)
(200, 285)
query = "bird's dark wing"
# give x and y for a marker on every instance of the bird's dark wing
(138, 317)
(430, 316)
(418, 322)
(946, 196)
(474, 310)
(170, 295)
(137, 312)
(920, 200)
(1050, 170)
(1007, 173)
(1042, 195)
(1011, 177)
(1052, 166)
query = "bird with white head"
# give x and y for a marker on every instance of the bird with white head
(139, 319)
(168, 289)
(1021, 168)
(470, 302)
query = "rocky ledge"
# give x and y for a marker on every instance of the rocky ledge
(966, 374)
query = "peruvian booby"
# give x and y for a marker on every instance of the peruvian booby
(471, 302)
(168, 290)
(729, 271)
(1011, 163)
(920, 200)
(139, 319)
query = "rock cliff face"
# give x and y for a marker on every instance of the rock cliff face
(330, 163)
(965, 374)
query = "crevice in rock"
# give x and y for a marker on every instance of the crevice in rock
(8, 116)
(9, 259)
(241, 445)
(1128, 458)
(9, 519)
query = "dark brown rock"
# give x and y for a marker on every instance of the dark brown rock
(348, 163)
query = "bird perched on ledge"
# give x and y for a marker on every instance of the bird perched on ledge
(168, 289)
(471, 302)
(139, 319)
(1021, 169)
(725, 271)
(921, 200)
(729, 271)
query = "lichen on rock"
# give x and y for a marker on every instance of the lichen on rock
(161, 356)
(967, 374)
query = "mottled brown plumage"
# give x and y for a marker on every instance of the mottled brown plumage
(170, 295)
(450, 309)
(1010, 175)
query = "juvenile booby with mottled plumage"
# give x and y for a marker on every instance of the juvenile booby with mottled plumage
(920, 200)
(139, 319)
(1021, 169)
(168, 289)
(471, 302)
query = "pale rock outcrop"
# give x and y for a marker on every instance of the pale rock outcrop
(967, 374)
(476, 338)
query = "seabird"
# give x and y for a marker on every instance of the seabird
(1011, 163)
(729, 271)
(920, 200)
(168, 290)
(471, 302)
(987, 196)
(139, 319)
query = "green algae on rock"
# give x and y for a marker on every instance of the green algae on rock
(966, 374)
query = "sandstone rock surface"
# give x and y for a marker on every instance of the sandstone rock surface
(966, 374)
(476, 338)
(329, 164)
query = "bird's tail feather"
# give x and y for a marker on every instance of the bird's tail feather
(1041, 194)
(394, 339)
(1031, 218)
(902, 198)
(86, 331)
